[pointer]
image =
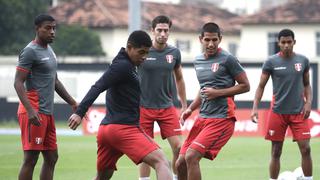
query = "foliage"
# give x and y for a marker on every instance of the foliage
(76, 40)
(17, 30)
(16, 23)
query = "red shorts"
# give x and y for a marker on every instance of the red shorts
(114, 140)
(278, 124)
(209, 135)
(38, 137)
(167, 120)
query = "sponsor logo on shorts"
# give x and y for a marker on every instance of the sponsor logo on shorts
(271, 132)
(305, 133)
(199, 144)
(38, 140)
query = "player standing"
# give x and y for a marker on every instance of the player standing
(36, 80)
(159, 73)
(291, 102)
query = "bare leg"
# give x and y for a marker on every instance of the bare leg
(175, 143)
(49, 161)
(274, 166)
(29, 162)
(104, 175)
(306, 161)
(181, 166)
(158, 161)
(144, 170)
(193, 158)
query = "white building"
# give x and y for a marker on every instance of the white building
(109, 18)
(259, 31)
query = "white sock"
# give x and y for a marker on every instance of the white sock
(144, 178)
(175, 177)
(308, 178)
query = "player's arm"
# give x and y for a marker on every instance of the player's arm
(101, 85)
(193, 106)
(258, 95)
(115, 74)
(307, 94)
(20, 78)
(63, 93)
(242, 86)
(180, 87)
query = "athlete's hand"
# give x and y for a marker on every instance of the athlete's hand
(74, 121)
(34, 118)
(209, 93)
(306, 110)
(182, 110)
(185, 114)
(254, 116)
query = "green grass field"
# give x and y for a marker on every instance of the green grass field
(242, 158)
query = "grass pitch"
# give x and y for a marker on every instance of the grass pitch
(242, 158)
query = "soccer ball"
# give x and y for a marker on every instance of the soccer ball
(287, 175)
(298, 173)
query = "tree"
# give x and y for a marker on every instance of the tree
(17, 29)
(16, 23)
(76, 40)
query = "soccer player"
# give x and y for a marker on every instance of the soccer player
(37, 70)
(159, 73)
(119, 132)
(217, 71)
(291, 104)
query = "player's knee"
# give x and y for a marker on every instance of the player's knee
(160, 164)
(306, 151)
(51, 159)
(163, 162)
(276, 153)
(192, 157)
(181, 163)
(30, 162)
(30, 159)
(159, 161)
(104, 175)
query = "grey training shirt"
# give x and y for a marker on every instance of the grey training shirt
(156, 77)
(218, 72)
(287, 80)
(41, 63)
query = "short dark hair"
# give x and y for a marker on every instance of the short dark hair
(139, 39)
(210, 27)
(161, 19)
(286, 33)
(38, 20)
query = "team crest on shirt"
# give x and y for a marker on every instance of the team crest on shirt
(214, 67)
(169, 58)
(298, 66)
